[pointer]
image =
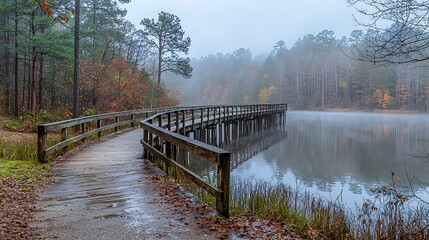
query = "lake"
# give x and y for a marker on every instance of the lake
(338, 155)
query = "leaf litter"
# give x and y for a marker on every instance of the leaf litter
(243, 226)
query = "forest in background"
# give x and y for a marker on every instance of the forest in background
(118, 68)
(36, 59)
(317, 72)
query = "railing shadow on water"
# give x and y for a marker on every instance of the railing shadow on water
(172, 137)
(241, 149)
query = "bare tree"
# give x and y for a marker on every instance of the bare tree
(406, 40)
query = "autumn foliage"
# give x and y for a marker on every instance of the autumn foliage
(266, 93)
(382, 97)
(114, 86)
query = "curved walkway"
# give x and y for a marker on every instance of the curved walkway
(105, 191)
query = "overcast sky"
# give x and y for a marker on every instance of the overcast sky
(227, 25)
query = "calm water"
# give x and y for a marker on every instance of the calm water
(341, 154)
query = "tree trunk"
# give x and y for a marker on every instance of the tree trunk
(29, 72)
(76, 82)
(7, 66)
(15, 112)
(53, 95)
(24, 82)
(33, 83)
(33, 67)
(41, 78)
(41, 75)
(29, 82)
(323, 87)
(159, 61)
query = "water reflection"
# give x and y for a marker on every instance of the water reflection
(242, 149)
(344, 154)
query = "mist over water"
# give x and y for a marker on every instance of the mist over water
(344, 154)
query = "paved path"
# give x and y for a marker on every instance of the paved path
(105, 192)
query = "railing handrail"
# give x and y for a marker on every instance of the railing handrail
(50, 127)
(43, 129)
(221, 157)
(219, 113)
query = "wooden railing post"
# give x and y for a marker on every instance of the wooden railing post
(202, 118)
(64, 137)
(177, 147)
(169, 121)
(146, 140)
(223, 110)
(159, 142)
(133, 116)
(244, 111)
(223, 182)
(150, 142)
(83, 130)
(183, 122)
(99, 126)
(41, 143)
(193, 119)
(116, 121)
(177, 122)
(220, 114)
(160, 121)
(168, 154)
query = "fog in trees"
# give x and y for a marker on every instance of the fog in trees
(317, 72)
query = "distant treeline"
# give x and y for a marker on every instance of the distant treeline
(316, 73)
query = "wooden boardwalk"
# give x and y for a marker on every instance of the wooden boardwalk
(105, 191)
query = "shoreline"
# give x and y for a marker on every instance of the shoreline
(390, 111)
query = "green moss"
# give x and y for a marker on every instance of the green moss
(18, 169)
(19, 158)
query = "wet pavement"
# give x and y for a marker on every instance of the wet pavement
(104, 191)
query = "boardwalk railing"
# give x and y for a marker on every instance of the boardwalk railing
(87, 127)
(166, 134)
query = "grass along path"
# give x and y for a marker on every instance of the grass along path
(260, 209)
(22, 178)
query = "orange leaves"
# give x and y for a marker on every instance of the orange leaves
(44, 6)
(382, 97)
(47, 9)
(128, 92)
(386, 100)
(64, 19)
(114, 86)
